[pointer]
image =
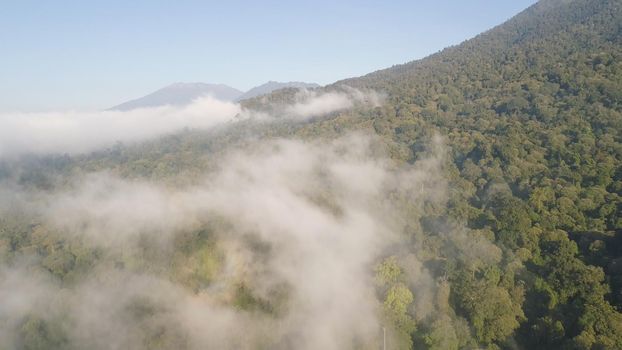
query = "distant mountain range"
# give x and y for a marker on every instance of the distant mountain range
(180, 94)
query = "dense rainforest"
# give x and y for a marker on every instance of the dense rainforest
(523, 249)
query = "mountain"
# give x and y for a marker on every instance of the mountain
(273, 86)
(523, 251)
(531, 116)
(181, 94)
(526, 44)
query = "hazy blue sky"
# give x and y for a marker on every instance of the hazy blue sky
(94, 54)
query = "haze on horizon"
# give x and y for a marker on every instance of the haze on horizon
(84, 56)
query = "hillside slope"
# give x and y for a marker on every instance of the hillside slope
(532, 115)
(526, 250)
(532, 111)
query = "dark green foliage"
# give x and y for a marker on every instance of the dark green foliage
(38, 334)
(531, 113)
(533, 116)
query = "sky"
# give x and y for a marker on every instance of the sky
(90, 55)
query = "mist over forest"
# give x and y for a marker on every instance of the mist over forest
(468, 200)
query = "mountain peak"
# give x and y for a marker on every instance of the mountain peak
(179, 94)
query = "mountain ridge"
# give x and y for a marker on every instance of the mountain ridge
(180, 93)
(546, 17)
(271, 86)
(524, 251)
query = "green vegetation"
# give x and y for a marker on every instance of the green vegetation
(531, 115)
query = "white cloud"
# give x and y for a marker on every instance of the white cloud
(75, 132)
(83, 132)
(321, 208)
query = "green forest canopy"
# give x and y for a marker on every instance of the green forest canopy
(531, 113)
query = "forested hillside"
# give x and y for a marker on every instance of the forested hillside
(532, 114)
(502, 167)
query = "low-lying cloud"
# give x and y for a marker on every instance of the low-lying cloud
(324, 213)
(283, 234)
(75, 132)
(82, 132)
(310, 103)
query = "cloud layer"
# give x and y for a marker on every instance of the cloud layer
(323, 213)
(73, 132)
(77, 132)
